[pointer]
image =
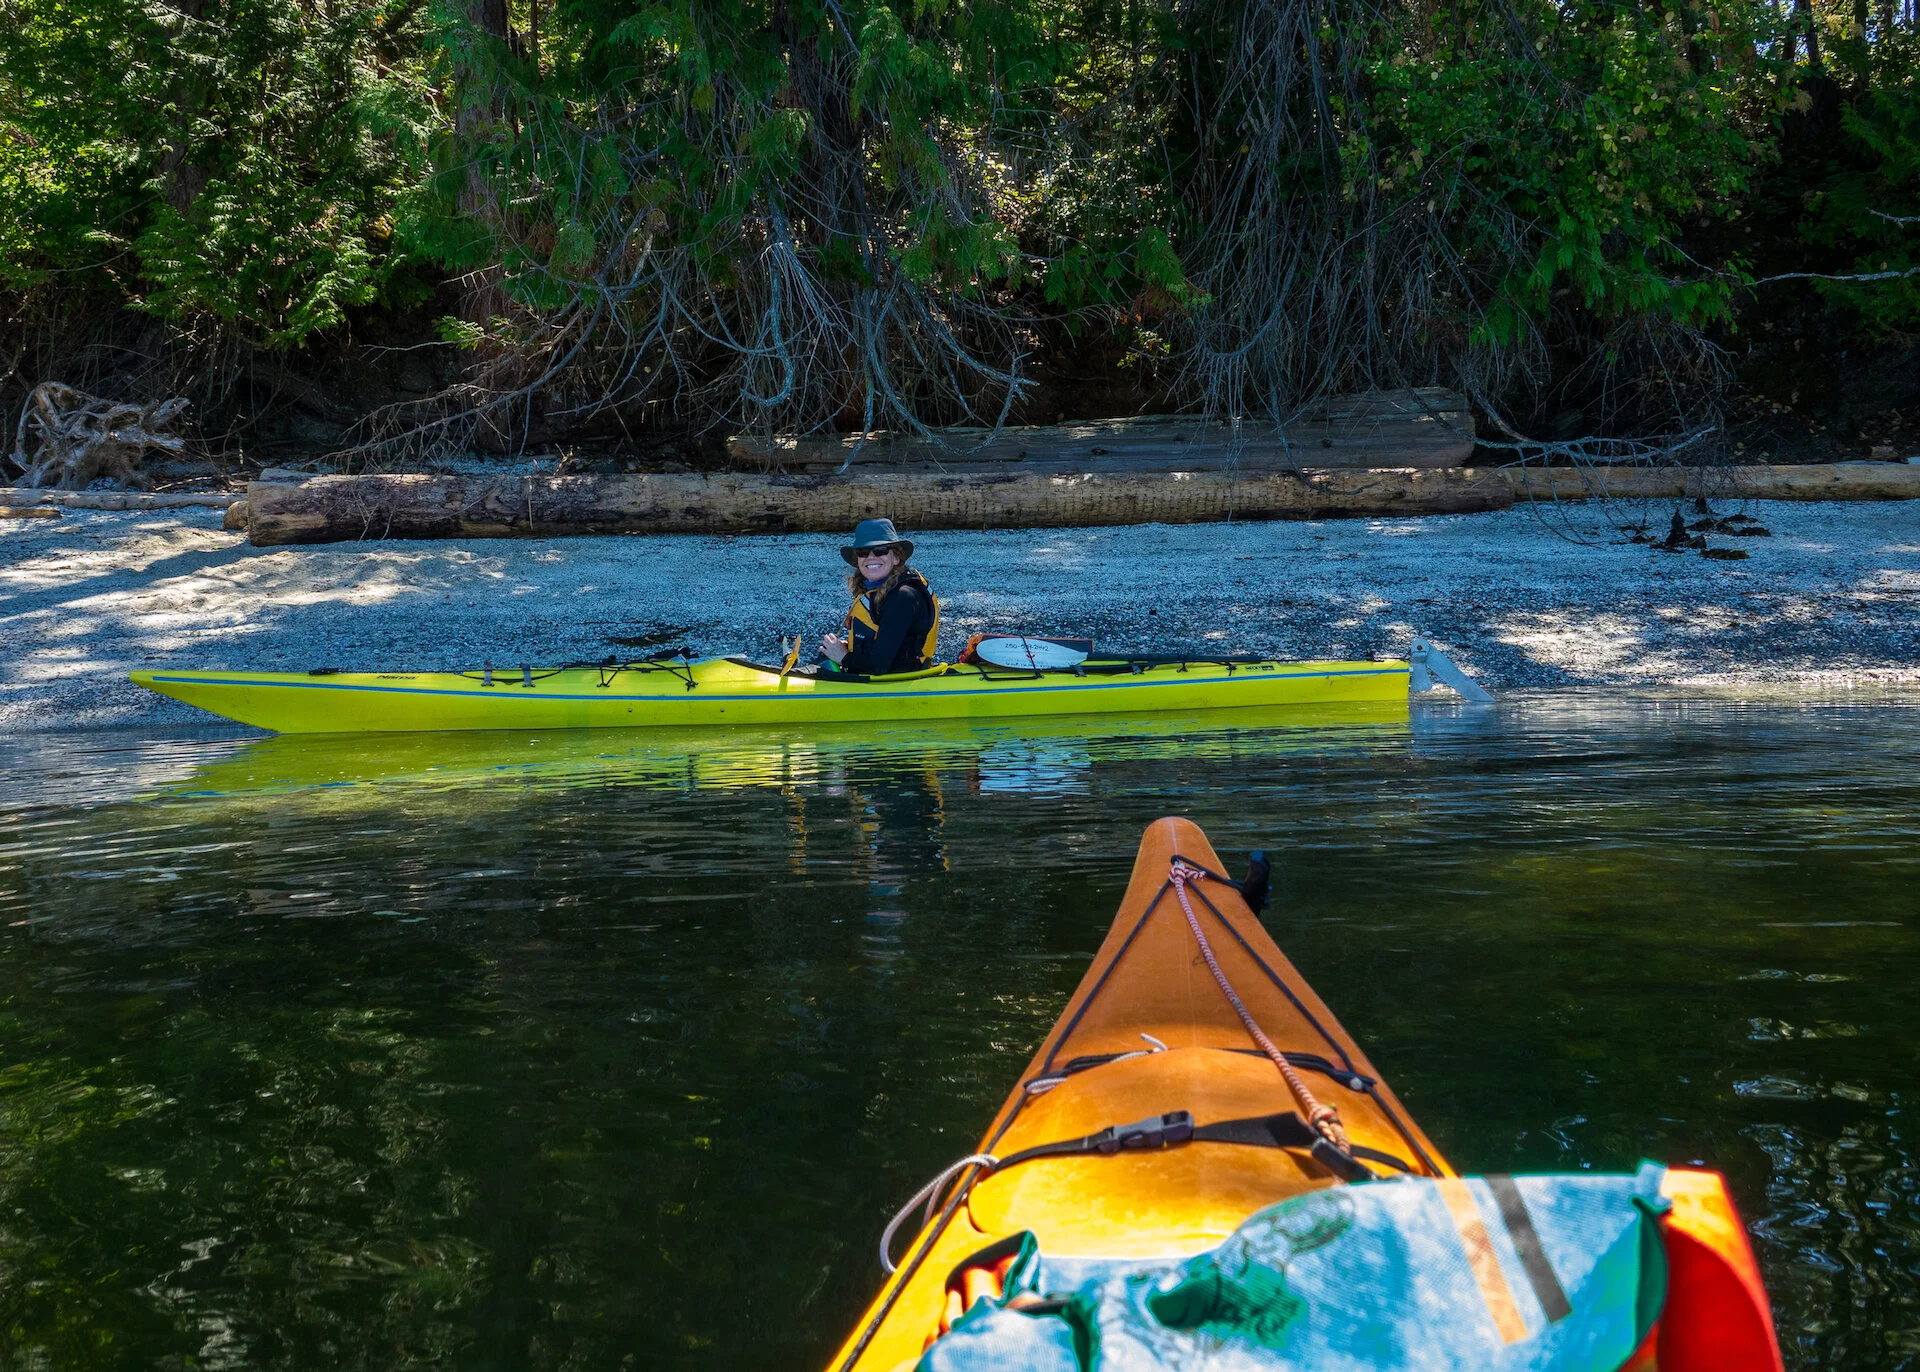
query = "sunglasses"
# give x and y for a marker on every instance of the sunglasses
(864, 553)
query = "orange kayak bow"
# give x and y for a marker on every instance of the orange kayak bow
(1195, 1080)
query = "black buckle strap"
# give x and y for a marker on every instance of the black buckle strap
(1338, 1161)
(1155, 1131)
(1288, 1130)
(1360, 1150)
(1284, 1130)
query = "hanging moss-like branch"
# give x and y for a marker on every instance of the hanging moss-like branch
(782, 219)
(1404, 193)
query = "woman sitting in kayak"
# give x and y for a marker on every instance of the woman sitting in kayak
(894, 623)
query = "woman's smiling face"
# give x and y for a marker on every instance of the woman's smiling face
(876, 564)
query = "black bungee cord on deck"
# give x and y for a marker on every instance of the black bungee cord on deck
(1118, 666)
(677, 662)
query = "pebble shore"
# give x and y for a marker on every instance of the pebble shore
(1529, 597)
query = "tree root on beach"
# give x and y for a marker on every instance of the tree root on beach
(80, 437)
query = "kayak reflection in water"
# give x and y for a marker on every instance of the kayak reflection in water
(901, 819)
(893, 624)
(880, 819)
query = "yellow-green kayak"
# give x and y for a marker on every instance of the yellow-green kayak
(734, 691)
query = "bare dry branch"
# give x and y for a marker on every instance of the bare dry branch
(78, 437)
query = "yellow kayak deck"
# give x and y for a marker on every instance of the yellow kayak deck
(734, 691)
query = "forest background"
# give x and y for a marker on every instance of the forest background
(402, 228)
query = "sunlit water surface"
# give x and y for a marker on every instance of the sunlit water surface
(613, 1051)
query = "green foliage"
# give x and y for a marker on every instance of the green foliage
(232, 159)
(464, 334)
(1575, 199)
(1866, 211)
(817, 207)
(688, 115)
(803, 190)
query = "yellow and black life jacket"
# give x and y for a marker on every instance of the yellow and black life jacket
(863, 626)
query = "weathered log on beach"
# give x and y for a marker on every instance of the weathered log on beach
(118, 500)
(333, 509)
(336, 508)
(1428, 427)
(1825, 481)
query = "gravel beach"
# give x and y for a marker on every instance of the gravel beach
(1832, 598)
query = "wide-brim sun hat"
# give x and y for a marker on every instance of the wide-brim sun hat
(875, 533)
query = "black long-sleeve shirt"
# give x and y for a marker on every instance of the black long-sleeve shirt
(904, 618)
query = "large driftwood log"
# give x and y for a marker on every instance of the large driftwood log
(118, 500)
(334, 509)
(1825, 481)
(1429, 427)
(331, 509)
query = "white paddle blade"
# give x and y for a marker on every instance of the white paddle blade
(1034, 654)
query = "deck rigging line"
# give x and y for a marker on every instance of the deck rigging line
(1324, 1118)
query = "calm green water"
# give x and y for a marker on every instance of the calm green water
(613, 1052)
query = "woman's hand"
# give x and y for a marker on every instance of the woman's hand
(835, 647)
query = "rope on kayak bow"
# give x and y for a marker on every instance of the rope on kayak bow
(930, 1193)
(1324, 1118)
